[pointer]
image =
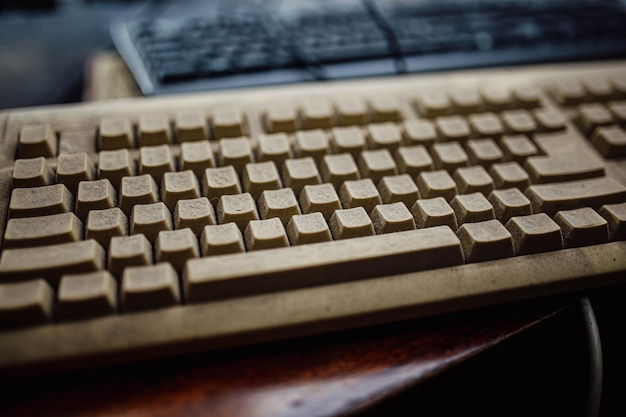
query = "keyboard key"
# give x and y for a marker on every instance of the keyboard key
(221, 239)
(473, 180)
(137, 190)
(452, 128)
(509, 203)
(485, 241)
(336, 169)
(228, 123)
(126, 251)
(419, 132)
(550, 198)
(384, 109)
(43, 230)
(156, 161)
(349, 139)
(436, 184)
(527, 96)
(176, 247)
(449, 156)
(148, 287)
(434, 212)
(390, 218)
(313, 143)
(360, 193)
(25, 303)
(86, 295)
(598, 88)
(568, 91)
(275, 148)
(610, 141)
(308, 228)
(278, 203)
(190, 126)
(413, 159)
(103, 225)
(317, 114)
(563, 167)
(470, 208)
(518, 148)
(150, 219)
(486, 125)
(518, 122)
(238, 208)
(40, 201)
(50, 262)
(281, 118)
(549, 120)
(194, 214)
(592, 115)
(615, 215)
(534, 233)
(398, 188)
(37, 140)
(466, 100)
(496, 97)
(297, 173)
(74, 168)
(351, 111)
(32, 172)
(509, 175)
(115, 132)
(582, 227)
(220, 181)
(322, 198)
(350, 223)
(236, 152)
(260, 177)
(383, 136)
(265, 234)
(618, 108)
(154, 129)
(433, 103)
(179, 186)
(484, 152)
(402, 252)
(196, 156)
(94, 195)
(377, 164)
(114, 165)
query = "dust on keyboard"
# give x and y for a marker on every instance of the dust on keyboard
(212, 220)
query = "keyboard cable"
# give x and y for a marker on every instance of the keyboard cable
(595, 357)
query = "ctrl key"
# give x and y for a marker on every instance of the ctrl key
(535, 233)
(25, 303)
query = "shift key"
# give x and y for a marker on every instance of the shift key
(51, 262)
(551, 198)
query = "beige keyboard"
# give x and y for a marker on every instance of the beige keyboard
(148, 227)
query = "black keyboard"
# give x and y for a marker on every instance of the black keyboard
(242, 45)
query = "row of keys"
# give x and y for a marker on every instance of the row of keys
(572, 91)
(145, 286)
(416, 161)
(340, 171)
(440, 204)
(116, 132)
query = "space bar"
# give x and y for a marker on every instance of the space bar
(320, 264)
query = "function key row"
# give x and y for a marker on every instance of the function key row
(573, 91)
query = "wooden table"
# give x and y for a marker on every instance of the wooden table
(331, 375)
